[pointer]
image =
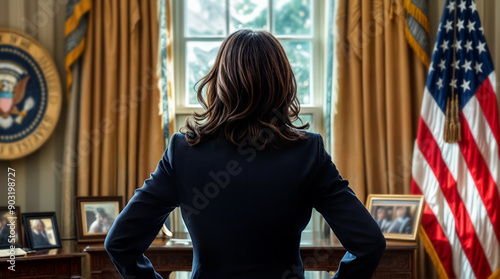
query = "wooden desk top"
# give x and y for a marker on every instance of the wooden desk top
(181, 241)
(68, 250)
(46, 254)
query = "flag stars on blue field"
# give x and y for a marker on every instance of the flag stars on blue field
(473, 7)
(444, 45)
(460, 24)
(481, 47)
(453, 83)
(442, 65)
(431, 67)
(448, 26)
(478, 68)
(468, 46)
(462, 6)
(465, 85)
(451, 6)
(467, 66)
(460, 60)
(439, 83)
(471, 26)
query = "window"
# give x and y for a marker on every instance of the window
(200, 26)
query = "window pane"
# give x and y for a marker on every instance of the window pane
(182, 275)
(292, 17)
(248, 14)
(180, 120)
(205, 18)
(306, 118)
(299, 54)
(200, 58)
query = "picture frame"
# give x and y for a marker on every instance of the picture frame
(398, 216)
(5, 218)
(41, 230)
(95, 215)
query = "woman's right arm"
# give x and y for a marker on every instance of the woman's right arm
(347, 216)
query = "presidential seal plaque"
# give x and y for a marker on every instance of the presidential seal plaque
(30, 95)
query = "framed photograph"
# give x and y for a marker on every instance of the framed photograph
(95, 215)
(41, 230)
(398, 216)
(7, 218)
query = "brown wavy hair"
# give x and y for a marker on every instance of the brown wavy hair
(251, 94)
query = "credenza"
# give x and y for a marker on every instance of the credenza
(47, 263)
(398, 261)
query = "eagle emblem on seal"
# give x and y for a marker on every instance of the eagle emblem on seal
(13, 106)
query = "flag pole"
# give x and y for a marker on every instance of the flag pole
(452, 128)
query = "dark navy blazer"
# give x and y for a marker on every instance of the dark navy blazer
(245, 208)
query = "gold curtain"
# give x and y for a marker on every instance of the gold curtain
(120, 138)
(70, 160)
(380, 87)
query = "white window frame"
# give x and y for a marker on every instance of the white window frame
(318, 67)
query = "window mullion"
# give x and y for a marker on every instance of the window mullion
(294, 38)
(203, 39)
(227, 18)
(270, 15)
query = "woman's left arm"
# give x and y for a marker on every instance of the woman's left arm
(140, 221)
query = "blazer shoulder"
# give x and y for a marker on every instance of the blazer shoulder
(315, 138)
(178, 144)
(178, 138)
(178, 135)
(313, 135)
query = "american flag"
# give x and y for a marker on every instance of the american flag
(460, 181)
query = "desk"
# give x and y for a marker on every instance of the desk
(53, 263)
(398, 261)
